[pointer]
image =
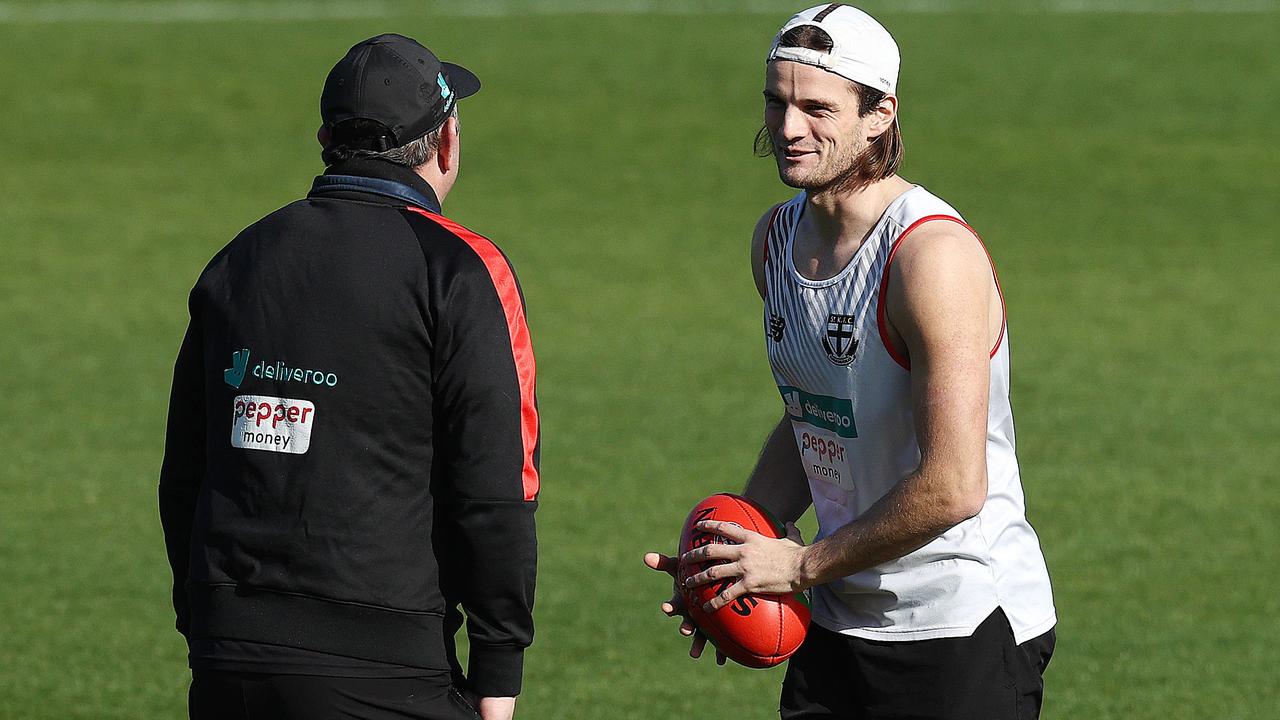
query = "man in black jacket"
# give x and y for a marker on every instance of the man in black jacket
(352, 447)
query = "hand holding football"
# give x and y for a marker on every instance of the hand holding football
(755, 630)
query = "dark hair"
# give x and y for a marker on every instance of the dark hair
(883, 157)
(410, 155)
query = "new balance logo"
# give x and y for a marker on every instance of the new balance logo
(777, 326)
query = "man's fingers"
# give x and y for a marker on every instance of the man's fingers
(699, 642)
(733, 531)
(715, 551)
(713, 573)
(793, 534)
(658, 561)
(731, 593)
(687, 627)
(675, 607)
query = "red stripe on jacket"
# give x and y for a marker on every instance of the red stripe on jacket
(504, 282)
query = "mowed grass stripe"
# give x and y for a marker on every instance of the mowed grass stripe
(199, 11)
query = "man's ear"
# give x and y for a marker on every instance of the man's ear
(447, 152)
(323, 136)
(883, 116)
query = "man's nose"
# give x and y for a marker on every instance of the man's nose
(793, 126)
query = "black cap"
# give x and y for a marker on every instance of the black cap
(396, 84)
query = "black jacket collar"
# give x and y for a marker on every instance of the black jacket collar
(376, 181)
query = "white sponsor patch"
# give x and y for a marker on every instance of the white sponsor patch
(826, 463)
(261, 422)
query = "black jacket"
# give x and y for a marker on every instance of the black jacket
(352, 447)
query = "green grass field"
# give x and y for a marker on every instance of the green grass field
(1124, 169)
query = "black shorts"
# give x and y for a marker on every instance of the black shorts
(985, 676)
(217, 695)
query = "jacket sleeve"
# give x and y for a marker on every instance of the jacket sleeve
(183, 467)
(486, 466)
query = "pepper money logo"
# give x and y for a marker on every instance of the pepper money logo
(234, 375)
(262, 422)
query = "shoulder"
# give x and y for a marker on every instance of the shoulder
(759, 245)
(294, 218)
(457, 256)
(938, 244)
(762, 224)
(290, 219)
(940, 276)
(444, 238)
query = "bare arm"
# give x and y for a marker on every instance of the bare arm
(778, 481)
(940, 307)
(939, 304)
(492, 708)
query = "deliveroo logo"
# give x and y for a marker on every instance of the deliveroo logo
(834, 414)
(234, 375)
(445, 92)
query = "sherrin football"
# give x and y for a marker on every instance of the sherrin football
(757, 631)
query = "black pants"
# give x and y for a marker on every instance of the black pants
(254, 696)
(985, 676)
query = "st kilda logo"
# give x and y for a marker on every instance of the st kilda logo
(839, 342)
(743, 605)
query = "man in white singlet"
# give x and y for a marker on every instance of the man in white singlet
(885, 329)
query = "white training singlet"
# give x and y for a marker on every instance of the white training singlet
(849, 399)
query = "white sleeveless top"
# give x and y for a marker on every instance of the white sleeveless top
(849, 399)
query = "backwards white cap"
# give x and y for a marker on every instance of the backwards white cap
(863, 52)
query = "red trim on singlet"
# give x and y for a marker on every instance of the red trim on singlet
(882, 322)
(504, 282)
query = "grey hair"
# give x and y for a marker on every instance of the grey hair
(411, 155)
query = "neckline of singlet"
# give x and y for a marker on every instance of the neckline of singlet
(789, 245)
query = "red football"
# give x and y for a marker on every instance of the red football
(755, 630)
